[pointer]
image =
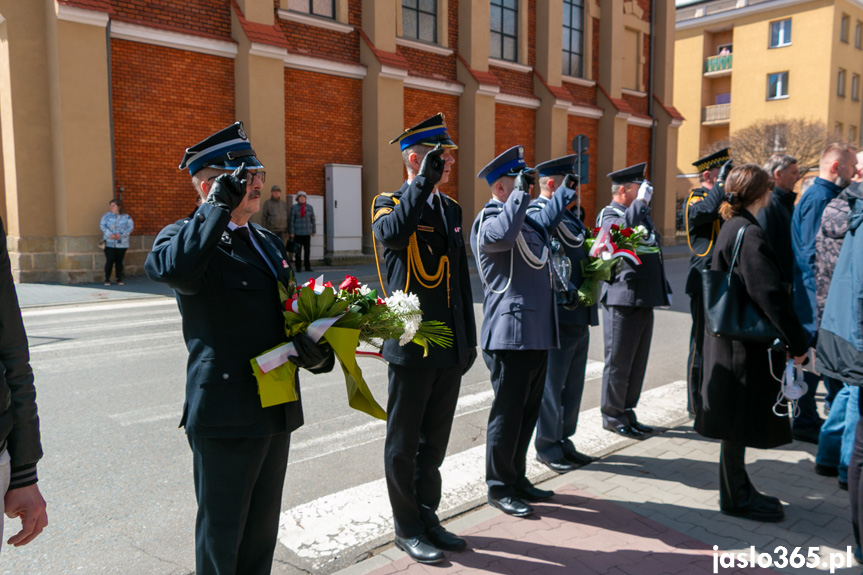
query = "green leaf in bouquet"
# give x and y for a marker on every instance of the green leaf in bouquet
(323, 302)
(283, 293)
(306, 306)
(373, 295)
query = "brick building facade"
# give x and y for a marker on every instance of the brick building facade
(102, 96)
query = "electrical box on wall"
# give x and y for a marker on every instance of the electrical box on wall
(344, 209)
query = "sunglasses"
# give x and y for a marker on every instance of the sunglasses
(250, 176)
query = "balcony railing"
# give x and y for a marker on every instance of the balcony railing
(718, 64)
(718, 114)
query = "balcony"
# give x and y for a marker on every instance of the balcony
(716, 115)
(718, 66)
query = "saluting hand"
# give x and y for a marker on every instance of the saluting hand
(523, 181)
(229, 189)
(433, 165)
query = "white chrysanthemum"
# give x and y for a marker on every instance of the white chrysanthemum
(365, 289)
(412, 325)
(407, 307)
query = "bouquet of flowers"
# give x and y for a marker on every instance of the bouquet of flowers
(343, 318)
(609, 247)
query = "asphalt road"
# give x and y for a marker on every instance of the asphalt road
(117, 471)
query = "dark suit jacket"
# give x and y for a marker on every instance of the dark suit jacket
(775, 220)
(397, 217)
(702, 207)
(231, 312)
(642, 285)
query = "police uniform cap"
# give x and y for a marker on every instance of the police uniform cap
(224, 150)
(632, 174)
(429, 132)
(713, 160)
(556, 167)
(509, 163)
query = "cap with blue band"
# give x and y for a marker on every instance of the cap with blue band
(509, 163)
(430, 132)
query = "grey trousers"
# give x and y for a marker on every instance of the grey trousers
(561, 398)
(627, 331)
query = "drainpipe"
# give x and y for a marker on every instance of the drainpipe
(650, 88)
(111, 112)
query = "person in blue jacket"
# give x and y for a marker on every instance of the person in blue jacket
(564, 378)
(519, 324)
(226, 273)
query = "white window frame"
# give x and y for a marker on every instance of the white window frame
(782, 40)
(840, 82)
(844, 28)
(855, 87)
(781, 86)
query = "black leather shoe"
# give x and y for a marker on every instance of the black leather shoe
(562, 465)
(807, 434)
(578, 458)
(628, 431)
(420, 549)
(443, 539)
(826, 470)
(843, 485)
(531, 493)
(511, 506)
(642, 428)
(764, 508)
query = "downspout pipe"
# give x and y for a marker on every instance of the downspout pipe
(111, 112)
(650, 87)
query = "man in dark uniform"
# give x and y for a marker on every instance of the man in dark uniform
(519, 324)
(225, 274)
(424, 251)
(627, 305)
(564, 378)
(702, 227)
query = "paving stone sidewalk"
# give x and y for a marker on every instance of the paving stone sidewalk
(651, 508)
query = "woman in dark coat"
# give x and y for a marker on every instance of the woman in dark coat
(738, 390)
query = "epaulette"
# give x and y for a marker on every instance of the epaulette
(385, 209)
(449, 198)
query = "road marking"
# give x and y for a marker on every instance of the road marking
(148, 415)
(347, 523)
(97, 307)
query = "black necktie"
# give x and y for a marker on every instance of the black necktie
(438, 213)
(243, 234)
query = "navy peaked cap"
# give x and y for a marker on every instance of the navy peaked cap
(557, 167)
(429, 132)
(634, 174)
(509, 163)
(224, 150)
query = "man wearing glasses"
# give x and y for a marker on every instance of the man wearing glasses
(225, 273)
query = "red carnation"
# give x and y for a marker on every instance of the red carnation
(350, 285)
(615, 227)
(626, 232)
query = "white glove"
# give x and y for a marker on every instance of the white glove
(645, 192)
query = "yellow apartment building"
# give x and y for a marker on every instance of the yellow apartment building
(740, 61)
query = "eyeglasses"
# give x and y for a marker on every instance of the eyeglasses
(250, 176)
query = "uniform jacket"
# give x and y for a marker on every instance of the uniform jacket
(804, 226)
(19, 422)
(775, 220)
(524, 316)
(231, 312)
(397, 217)
(738, 390)
(111, 224)
(702, 225)
(840, 337)
(642, 285)
(274, 215)
(302, 226)
(570, 232)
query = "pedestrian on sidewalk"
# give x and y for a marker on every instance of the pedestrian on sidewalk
(564, 378)
(420, 228)
(519, 324)
(116, 226)
(274, 214)
(302, 227)
(739, 391)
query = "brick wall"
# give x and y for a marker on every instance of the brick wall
(420, 105)
(531, 32)
(590, 128)
(323, 125)
(199, 17)
(513, 82)
(584, 95)
(645, 7)
(514, 125)
(638, 103)
(453, 24)
(595, 54)
(638, 147)
(162, 105)
(646, 68)
(423, 63)
(316, 41)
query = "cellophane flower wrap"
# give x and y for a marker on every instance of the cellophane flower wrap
(607, 248)
(343, 317)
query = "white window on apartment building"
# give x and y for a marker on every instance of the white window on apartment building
(845, 28)
(855, 87)
(777, 86)
(419, 20)
(324, 8)
(780, 33)
(840, 82)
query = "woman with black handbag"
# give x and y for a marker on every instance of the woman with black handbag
(738, 390)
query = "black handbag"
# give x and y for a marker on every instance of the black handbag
(728, 310)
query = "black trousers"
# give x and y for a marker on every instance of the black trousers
(735, 489)
(420, 411)
(518, 379)
(304, 242)
(114, 259)
(696, 350)
(627, 331)
(238, 484)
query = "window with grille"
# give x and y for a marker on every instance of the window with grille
(504, 30)
(777, 85)
(324, 8)
(419, 20)
(573, 37)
